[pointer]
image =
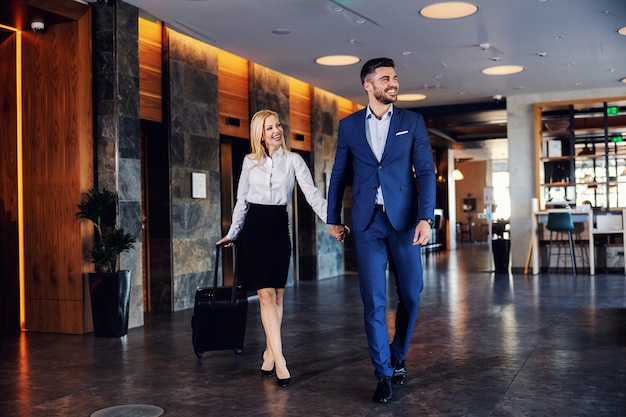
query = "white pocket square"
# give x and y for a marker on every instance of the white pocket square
(404, 132)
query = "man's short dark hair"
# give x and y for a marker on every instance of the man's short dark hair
(370, 66)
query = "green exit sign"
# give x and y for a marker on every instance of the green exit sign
(617, 138)
(612, 110)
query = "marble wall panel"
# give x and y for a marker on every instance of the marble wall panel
(191, 220)
(270, 90)
(177, 149)
(116, 105)
(185, 287)
(194, 144)
(324, 124)
(129, 132)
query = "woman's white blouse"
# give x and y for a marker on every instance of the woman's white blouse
(271, 183)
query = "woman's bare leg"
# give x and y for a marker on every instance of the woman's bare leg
(271, 303)
(268, 358)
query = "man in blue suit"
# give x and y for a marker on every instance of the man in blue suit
(392, 212)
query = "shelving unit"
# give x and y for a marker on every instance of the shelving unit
(582, 153)
(581, 158)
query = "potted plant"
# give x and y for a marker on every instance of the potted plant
(109, 287)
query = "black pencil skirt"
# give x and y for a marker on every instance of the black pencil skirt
(264, 248)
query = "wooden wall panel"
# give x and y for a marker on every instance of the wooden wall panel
(300, 115)
(61, 321)
(58, 157)
(71, 10)
(84, 101)
(9, 277)
(150, 70)
(233, 94)
(346, 107)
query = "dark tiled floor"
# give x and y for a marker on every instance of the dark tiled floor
(485, 345)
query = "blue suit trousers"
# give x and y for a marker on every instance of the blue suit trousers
(377, 246)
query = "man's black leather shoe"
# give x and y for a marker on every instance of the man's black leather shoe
(383, 391)
(399, 373)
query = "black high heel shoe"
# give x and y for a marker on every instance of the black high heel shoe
(267, 374)
(283, 382)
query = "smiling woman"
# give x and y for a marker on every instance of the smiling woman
(260, 221)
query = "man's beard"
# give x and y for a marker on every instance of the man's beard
(382, 98)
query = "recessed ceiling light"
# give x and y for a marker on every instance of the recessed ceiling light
(622, 31)
(281, 31)
(411, 97)
(360, 21)
(337, 60)
(503, 70)
(449, 10)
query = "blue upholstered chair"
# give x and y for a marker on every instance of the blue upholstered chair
(561, 223)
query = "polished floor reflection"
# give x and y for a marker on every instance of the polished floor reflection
(485, 345)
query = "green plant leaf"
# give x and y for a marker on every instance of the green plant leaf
(98, 206)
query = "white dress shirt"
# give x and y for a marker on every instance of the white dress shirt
(271, 183)
(377, 131)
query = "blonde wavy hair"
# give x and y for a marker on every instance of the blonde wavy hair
(257, 125)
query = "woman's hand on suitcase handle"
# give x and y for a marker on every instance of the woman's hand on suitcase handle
(226, 242)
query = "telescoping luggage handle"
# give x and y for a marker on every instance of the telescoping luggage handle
(233, 295)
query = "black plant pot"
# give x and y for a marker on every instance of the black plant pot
(110, 303)
(501, 249)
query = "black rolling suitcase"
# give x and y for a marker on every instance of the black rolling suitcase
(219, 316)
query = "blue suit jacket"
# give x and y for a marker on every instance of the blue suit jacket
(407, 148)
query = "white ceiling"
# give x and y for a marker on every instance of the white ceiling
(444, 61)
(439, 58)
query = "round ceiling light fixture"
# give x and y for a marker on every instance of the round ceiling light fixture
(337, 60)
(622, 31)
(411, 97)
(503, 70)
(623, 80)
(448, 10)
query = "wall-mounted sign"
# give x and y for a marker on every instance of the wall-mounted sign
(198, 185)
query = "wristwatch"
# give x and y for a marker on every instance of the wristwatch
(431, 222)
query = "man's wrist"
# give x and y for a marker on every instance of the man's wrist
(430, 222)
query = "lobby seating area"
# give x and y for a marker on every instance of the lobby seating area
(486, 344)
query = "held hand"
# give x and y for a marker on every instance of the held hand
(226, 242)
(339, 231)
(422, 233)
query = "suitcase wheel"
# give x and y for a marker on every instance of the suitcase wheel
(199, 354)
(238, 351)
